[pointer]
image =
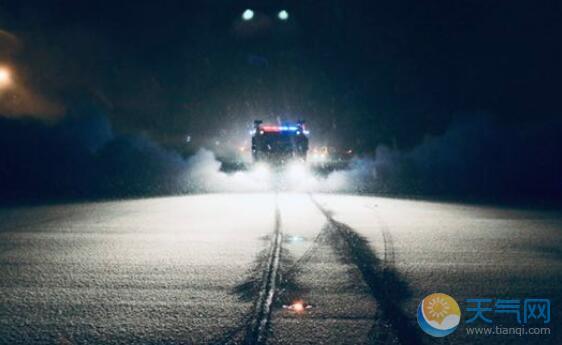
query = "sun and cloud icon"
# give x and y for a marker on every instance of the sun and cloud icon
(439, 314)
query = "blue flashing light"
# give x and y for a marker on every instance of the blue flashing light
(288, 128)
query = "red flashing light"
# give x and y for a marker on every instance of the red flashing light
(270, 128)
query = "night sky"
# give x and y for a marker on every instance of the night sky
(362, 73)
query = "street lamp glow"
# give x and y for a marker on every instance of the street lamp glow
(248, 14)
(5, 77)
(283, 15)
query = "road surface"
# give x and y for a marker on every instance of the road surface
(228, 268)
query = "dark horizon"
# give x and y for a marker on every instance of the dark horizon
(474, 81)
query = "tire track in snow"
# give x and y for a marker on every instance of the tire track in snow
(258, 327)
(383, 281)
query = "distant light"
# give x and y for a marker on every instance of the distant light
(188, 139)
(248, 14)
(319, 154)
(298, 306)
(5, 77)
(283, 15)
(295, 238)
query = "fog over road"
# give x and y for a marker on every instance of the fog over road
(222, 269)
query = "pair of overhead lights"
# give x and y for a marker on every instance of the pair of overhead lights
(249, 15)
